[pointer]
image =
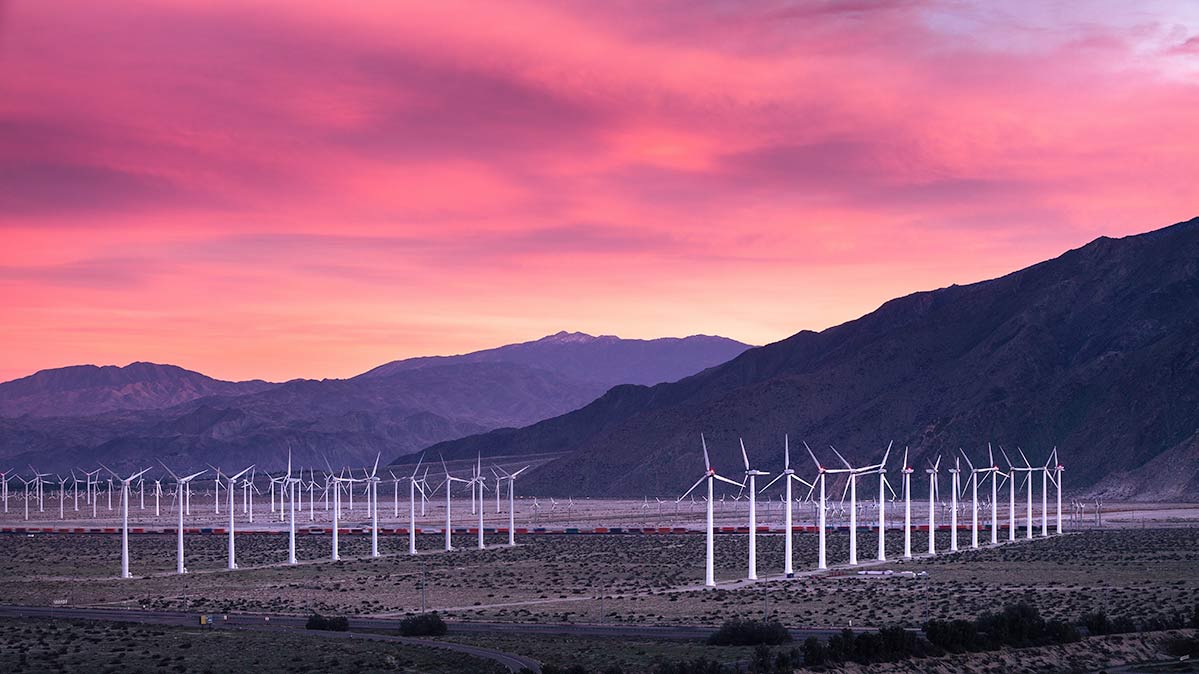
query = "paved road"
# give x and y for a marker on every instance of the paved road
(510, 661)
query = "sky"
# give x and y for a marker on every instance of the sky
(272, 190)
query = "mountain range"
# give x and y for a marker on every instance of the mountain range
(129, 416)
(1095, 352)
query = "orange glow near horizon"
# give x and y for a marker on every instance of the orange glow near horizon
(299, 189)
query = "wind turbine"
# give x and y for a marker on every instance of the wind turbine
(710, 476)
(179, 482)
(4, 478)
(751, 475)
(27, 483)
(788, 475)
(511, 478)
(229, 492)
(289, 484)
(974, 473)
(1057, 482)
(448, 484)
(1045, 495)
(335, 483)
(39, 482)
(1028, 470)
(907, 505)
(413, 485)
(882, 500)
(125, 517)
(478, 480)
(372, 485)
(955, 482)
(851, 486)
(822, 560)
(932, 504)
(62, 494)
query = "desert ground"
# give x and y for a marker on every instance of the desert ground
(1139, 562)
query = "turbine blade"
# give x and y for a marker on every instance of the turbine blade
(818, 466)
(840, 457)
(744, 456)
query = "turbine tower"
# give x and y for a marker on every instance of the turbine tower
(851, 486)
(907, 506)
(229, 493)
(882, 500)
(751, 475)
(710, 476)
(124, 516)
(511, 478)
(448, 484)
(180, 483)
(932, 504)
(1057, 482)
(788, 475)
(372, 486)
(955, 482)
(822, 472)
(1028, 470)
(413, 485)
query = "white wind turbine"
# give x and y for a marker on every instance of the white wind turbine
(788, 475)
(372, 485)
(710, 476)
(39, 482)
(1027, 470)
(395, 495)
(229, 493)
(1045, 495)
(413, 485)
(4, 478)
(851, 486)
(822, 472)
(335, 484)
(62, 494)
(882, 500)
(478, 480)
(907, 505)
(179, 488)
(448, 484)
(1057, 482)
(125, 517)
(751, 475)
(974, 473)
(932, 471)
(511, 478)
(955, 484)
(289, 487)
(27, 483)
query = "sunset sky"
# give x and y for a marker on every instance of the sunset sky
(309, 189)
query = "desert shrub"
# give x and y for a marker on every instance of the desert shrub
(1096, 623)
(750, 633)
(423, 625)
(317, 621)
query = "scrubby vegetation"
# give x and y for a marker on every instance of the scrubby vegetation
(423, 625)
(317, 621)
(750, 633)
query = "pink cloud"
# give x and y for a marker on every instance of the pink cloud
(332, 186)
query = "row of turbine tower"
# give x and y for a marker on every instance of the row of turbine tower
(290, 489)
(1051, 473)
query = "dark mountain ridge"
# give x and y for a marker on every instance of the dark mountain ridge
(396, 409)
(1096, 352)
(82, 390)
